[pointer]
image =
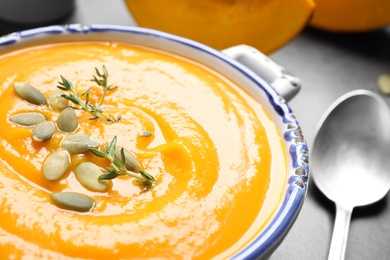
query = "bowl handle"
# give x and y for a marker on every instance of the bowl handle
(285, 84)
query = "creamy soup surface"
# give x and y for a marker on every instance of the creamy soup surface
(216, 156)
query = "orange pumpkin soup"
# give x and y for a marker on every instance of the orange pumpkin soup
(215, 154)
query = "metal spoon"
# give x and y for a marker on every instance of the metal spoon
(350, 158)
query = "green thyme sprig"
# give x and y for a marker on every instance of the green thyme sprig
(95, 110)
(118, 166)
(102, 80)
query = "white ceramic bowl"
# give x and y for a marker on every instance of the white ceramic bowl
(225, 63)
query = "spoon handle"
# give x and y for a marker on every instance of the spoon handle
(340, 233)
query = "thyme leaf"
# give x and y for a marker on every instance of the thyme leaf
(82, 100)
(108, 176)
(101, 80)
(118, 166)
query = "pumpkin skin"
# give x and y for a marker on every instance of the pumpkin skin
(266, 25)
(351, 16)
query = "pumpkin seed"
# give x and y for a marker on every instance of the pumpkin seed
(56, 165)
(79, 143)
(27, 119)
(131, 162)
(43, 131)
(56, 101)
(72, 201)
(29, 93)
(146, 134)
(67, 120)
(88, 174)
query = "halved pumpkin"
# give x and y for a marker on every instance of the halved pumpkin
(351, 15)
(264, 24)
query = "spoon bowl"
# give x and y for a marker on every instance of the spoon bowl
(350, 158)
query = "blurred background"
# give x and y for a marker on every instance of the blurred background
(328, 50)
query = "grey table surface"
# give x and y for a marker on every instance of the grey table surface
(328, 65)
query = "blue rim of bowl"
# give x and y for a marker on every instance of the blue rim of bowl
(268, 239)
